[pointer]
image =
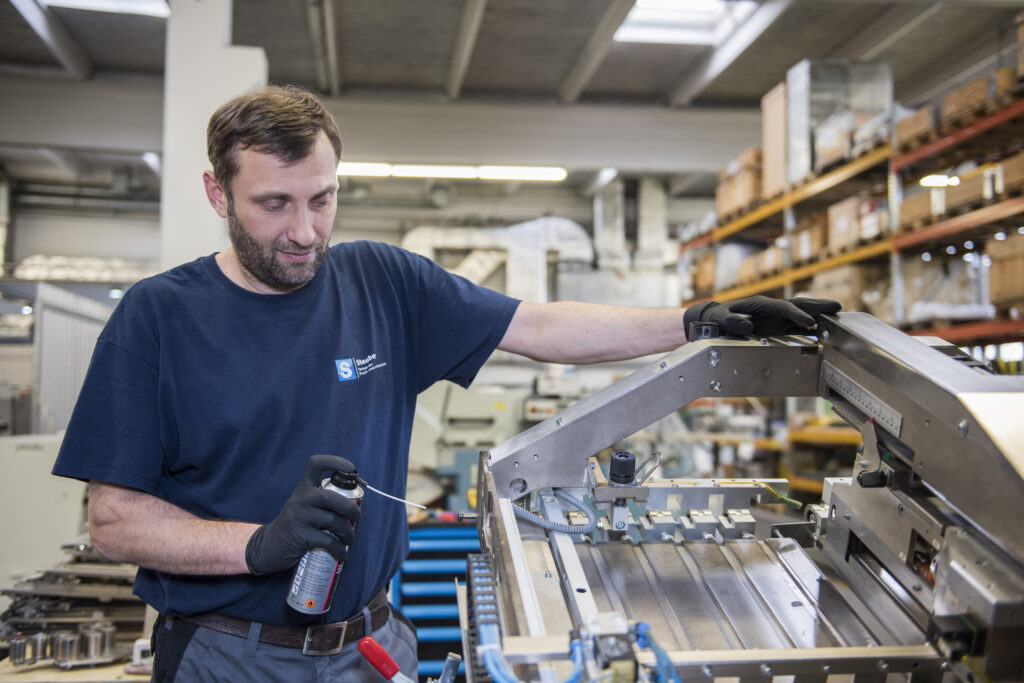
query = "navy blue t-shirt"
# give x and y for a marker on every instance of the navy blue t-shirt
(213, 398)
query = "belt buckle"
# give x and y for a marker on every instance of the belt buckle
(340, 628)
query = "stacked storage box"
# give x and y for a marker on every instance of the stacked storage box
(855, 220)
(816, 90)
(917, 128)
(847, 284)
(810, 238)
(1012, 173)
(1006, 276)
(921, 207)
(739, 183)
(976, 97)
(704, 276)
(974, 187)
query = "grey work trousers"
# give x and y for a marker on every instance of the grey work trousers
(186, 652)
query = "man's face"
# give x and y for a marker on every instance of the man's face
(280, 216)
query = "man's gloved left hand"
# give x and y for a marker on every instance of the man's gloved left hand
(760, 316)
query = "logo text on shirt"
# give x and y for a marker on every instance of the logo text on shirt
(354, 368)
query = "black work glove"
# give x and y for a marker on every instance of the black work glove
(313, 517)
(760, 316)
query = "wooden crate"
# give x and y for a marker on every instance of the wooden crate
(917, 128)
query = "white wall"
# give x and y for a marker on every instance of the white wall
(18, 364)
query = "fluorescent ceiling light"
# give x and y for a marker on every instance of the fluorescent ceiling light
(150, 8)
(347, 168)
(548, 173)
(517, 173)
(683, 22)
(432, 171)
(939, 181)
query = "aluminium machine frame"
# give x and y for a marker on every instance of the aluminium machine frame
(911, 569)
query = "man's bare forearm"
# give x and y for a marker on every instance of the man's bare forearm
(574, 332)
(127, 525)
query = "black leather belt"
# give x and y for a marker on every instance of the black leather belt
(318, 639)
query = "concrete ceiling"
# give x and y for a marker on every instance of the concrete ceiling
(535, 52)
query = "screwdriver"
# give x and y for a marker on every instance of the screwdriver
(380, 660)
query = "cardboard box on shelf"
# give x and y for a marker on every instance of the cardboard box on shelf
(922, 206)
(977, 96)
(874, 220)
(844, 224)
(975, 186)
(1006, 275)
(770, 261)
(1012, 172)
(739, 183)
(847, 284)
(773, 142)
(917, 128)
(833, 138)
(810, 239)
(748, 269)
(1020, 44)
(704, 276)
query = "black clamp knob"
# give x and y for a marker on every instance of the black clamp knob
(622, 470)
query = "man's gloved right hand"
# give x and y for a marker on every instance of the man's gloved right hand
(313, 517)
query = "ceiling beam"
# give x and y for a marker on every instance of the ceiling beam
(595, 50)
(685, 183)
(331, 46)
(57, 39)
(315, 23)
(469, 29)
(892, 26)
(713, 62)
(981, 55)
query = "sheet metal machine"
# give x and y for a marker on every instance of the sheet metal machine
(912, 568)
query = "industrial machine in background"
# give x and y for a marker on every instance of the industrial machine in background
(913, 568)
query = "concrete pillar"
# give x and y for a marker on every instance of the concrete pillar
(652, 226)
(202, 71)
(610, 227)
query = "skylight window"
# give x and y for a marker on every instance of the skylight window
(683, 22)
(150, 8)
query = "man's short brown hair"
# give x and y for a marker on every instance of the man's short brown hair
(281, 121)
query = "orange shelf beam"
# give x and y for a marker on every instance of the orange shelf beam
(952, 226)
(805, 191)
(987, 330)
(802, 272)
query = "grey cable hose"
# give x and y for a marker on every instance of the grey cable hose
(560, 526)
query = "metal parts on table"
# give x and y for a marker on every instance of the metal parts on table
(914, 567)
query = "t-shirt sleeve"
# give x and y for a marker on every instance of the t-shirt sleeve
(458, 325)
(113, 434)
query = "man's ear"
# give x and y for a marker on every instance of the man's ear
(215, 194)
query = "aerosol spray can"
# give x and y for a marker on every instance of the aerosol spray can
(316, 576)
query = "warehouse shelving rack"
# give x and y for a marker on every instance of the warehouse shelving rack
(980, 139)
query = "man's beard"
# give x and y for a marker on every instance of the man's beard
(261, 262)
